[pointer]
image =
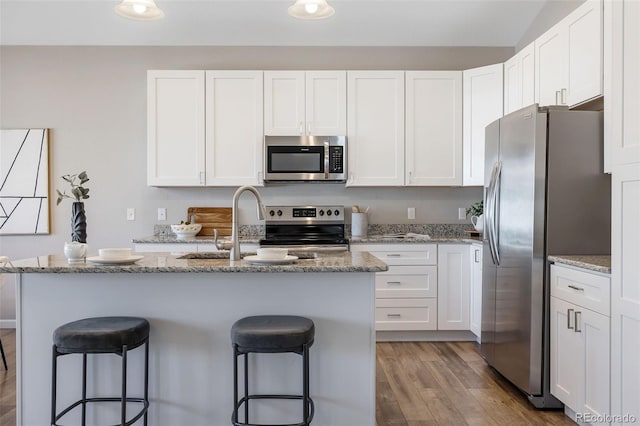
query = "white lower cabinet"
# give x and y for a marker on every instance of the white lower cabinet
(580, 341)
(476, 290)
(454, 279)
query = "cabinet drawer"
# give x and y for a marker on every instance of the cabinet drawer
(586, 289)
(406, 255)
(407, 281)
(406, 314)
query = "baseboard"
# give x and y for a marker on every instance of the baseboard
(7, 323)
(426, 336)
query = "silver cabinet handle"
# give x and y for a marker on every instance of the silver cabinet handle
(563, 96)
(393, 255)
(202, 178)
(558, 98)
(301, 128)
(393, 315)
(575, 288)
(476, 256)
(394, 283)
(577, 330)
(569, 319)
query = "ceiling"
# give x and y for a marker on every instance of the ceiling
(266, 23)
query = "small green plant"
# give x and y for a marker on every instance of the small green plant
(78, 191)
(476, 209)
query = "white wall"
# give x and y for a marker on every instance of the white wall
(94, 101)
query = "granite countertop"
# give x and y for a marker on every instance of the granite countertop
(598, 263)
(255, 239)
(163, 262)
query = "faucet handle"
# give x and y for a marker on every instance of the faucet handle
(220, 245)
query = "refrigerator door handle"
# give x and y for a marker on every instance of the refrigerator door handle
(496, 212)
(489, 220)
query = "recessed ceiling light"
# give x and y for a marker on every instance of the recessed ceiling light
(311, 9)
(141, 10)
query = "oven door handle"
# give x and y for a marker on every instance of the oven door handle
(326, 159)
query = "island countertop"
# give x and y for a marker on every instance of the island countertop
(199, 263)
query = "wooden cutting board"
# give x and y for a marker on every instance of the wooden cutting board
(211, 218)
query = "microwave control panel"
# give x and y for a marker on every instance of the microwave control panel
(336, 159)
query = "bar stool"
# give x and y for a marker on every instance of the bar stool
(271, 334)
(102, 335)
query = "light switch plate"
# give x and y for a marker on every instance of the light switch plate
(131, 213)
(411, 213)
(462, 213)
(162, 213)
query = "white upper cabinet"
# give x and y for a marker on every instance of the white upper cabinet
(234, 128)
(375, 134)
(569, 58)
(519, 80)
(482, 104)
(305, 103)
(175, 128)
(434, 128)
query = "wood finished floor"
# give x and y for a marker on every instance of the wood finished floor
(418, 384)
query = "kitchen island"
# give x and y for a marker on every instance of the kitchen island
(191, 305)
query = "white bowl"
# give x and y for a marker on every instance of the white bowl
(115, 253)
(272, 253)
(183, 231)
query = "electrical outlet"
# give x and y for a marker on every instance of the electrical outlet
(462, 213)
(131, 213)
(162, 213)
(411, 213)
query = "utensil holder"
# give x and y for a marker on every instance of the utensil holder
(359, 224)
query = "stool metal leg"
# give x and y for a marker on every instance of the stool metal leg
(246, 387)
(54, 378)
(123, 412)
(84, 389)
(146, 379)
(4, 358)
(305, 384)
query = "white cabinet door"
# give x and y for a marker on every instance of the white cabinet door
(585, 54)
(234, 128)
(305, 103)
(175, 128)
(569, 58)
(594, 330)
(326, 103)
(284, 103)
(551, 66)
(434, 128)
(476, 290)
(482, 104)
(567, 356)
(519, 80)
(375, 129)
(453, 286)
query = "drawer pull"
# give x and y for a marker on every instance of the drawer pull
(577, 330)
(575, 288)
(393, 283)
(393, 315)
(569, 319)
(393, 255)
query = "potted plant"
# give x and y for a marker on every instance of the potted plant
(476, 211)
(78, 193)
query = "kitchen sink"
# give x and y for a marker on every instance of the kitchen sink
(225, 255)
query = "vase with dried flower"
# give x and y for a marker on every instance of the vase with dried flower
(78, 192)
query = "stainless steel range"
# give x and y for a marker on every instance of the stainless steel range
(305, 228)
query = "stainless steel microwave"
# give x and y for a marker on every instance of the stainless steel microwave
(305, 158)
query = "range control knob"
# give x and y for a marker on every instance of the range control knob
(328, 212)
(279, 212)
(337, 212)
(321, 212)
(272, 213)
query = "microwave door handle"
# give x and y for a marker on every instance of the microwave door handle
(326, 160)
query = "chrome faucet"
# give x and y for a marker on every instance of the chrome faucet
(235, 240)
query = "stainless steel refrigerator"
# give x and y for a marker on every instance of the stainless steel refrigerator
(545, 193)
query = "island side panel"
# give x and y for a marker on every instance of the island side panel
(191, 357)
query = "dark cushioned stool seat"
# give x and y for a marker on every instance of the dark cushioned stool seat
(272, 333)
(101, 335)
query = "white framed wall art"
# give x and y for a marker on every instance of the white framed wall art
(24, 181)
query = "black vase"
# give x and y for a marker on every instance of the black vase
(78, 223)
